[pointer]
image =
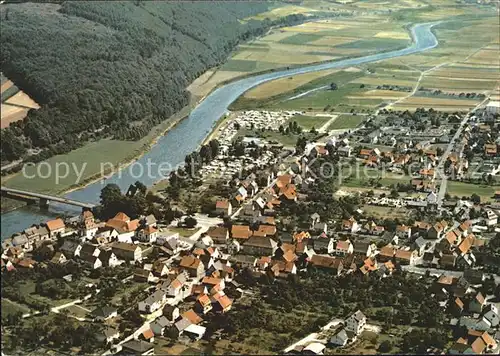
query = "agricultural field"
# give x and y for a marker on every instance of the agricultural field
(467, 37)
(318, 41)
(283, 85)
(440, 104)
(15, 103)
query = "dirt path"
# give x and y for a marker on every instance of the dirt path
(328, 123)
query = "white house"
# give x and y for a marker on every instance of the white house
(112, 260)
(95, 262)
(356, 322)
(432, 198)
(491, 218)
(106, 234)
(195, 331)
(343, 248)
(104, 313)
(165, 236)
(340, 338)
(153, 302)
(111, 334)
(174, 288)
(491, 314)
(158, 326)
(148, 234)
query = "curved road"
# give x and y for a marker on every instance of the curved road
(172, 148)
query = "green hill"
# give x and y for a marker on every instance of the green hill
(112, 69)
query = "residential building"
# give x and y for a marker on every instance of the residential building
(405, 257)
(240, 232)
(127, 251)
(153, 302)
(356, 322)
(343, 248)
(104, 313)
(192, 265)
(327, 262)
(148, 234)
(477, 303)
(218, 234)
(362, 248)
(223, 208)
(260, 246)
(55, 227)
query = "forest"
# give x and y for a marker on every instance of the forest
(112, 69)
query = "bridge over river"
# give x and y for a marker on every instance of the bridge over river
(44, 199)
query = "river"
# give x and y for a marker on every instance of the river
(189, 133)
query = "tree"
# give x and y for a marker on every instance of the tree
(385, 346)
(476, 199)
(110, 194)
(333, 86)
(394, 194)
(141, 187)
(214, 146)
(190, 222)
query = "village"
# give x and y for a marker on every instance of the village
(275, 215)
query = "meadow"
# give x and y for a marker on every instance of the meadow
(307, 122)
(346, 122)
(461, 189)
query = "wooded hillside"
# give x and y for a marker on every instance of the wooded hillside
(112, 69)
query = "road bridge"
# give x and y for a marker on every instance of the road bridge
(44, 199)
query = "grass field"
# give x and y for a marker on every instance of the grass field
(346, 122)
(98, 152)
(460, 189)
(9, 307)
(382, 212)
(307, 122)
(283, 85)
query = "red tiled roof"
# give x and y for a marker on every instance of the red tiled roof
(56, 224)
(192, 316)
(222, 204)
(190, 262)
(148, 334)
(240, 231)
